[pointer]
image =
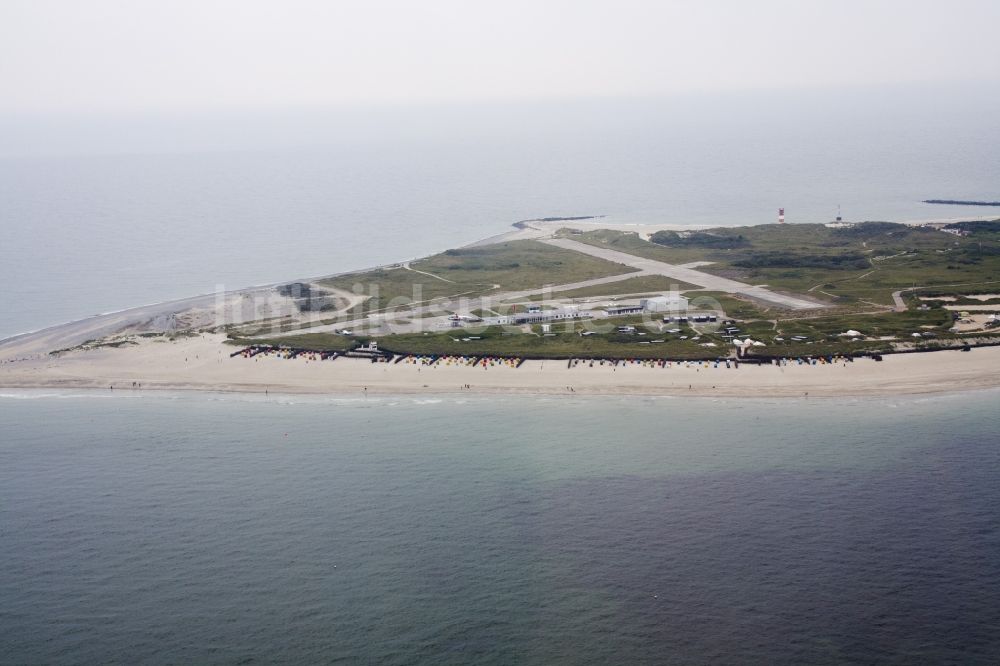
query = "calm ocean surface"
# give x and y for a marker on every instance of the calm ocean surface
(228, 529)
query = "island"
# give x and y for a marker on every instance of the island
(573, 305)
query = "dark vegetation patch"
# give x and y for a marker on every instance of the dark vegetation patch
(779, 259)
(716, 240)
(977, 228)
(310, 299)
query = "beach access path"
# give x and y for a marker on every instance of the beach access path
(706, 280)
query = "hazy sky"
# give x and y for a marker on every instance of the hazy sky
(165, 55)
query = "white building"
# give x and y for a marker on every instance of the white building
(619, 310)
(672, 302)
(539, 317)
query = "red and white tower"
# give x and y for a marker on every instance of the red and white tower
(781, 216)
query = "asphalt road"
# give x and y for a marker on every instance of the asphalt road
(706, 280)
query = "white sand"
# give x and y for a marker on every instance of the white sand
(203, 363)
(974, 322)
(973, 308)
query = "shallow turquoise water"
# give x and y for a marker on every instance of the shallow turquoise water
(215, 528)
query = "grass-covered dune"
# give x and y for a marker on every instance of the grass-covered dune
(477, 271)
(855, 267)
(863, 263)
(822, 336)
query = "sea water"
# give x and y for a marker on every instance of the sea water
(454, 530)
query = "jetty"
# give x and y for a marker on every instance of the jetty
(959, 202)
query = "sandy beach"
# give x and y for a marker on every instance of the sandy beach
(203, 363)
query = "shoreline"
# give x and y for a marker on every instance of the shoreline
(174, 392)
(485, 392)
(163, 363)
(526, 231)
(202, 363)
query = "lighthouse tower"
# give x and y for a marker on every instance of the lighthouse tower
(781, 216)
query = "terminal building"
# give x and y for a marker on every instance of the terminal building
(536, 316)
(621, 310)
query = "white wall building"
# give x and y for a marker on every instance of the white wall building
(666, 303)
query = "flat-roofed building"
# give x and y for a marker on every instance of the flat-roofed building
(619, 310)
(666, 303)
